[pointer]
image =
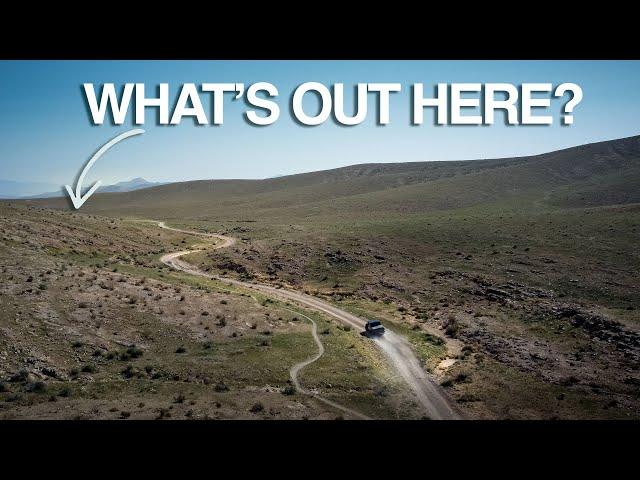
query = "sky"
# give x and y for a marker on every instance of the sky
(46, 132)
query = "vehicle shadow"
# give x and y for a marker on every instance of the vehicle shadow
(364, 333)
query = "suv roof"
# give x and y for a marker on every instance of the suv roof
(373, 323)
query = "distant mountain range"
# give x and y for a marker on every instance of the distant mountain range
(131, 185)
(10, 189)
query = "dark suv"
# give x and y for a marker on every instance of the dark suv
(374, 327)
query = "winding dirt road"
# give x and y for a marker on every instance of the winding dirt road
(397, 349)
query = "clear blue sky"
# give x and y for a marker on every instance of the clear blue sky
(46, 134)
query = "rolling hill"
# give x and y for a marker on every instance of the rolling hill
(594, 174)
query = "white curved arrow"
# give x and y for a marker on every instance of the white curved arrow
(78, 199)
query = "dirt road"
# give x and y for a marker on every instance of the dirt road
(397, 349)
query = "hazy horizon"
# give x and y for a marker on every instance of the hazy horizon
(46, 134)
(167, 181)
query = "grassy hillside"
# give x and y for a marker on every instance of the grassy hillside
(396, 187)
(93, 326)
(526, 268)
